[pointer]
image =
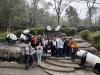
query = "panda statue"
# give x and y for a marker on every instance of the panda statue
(25, 36)
(87, 57)
(11, 38)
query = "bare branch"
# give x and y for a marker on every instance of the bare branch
(55, 5)
(64, 7)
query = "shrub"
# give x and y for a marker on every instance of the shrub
(37, 31)
(18, 33)
(95, 39)
(70, 31)
(3, 37)
(85, 34)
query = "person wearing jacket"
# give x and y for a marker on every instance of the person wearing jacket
(29, 51)
(39, 50)
(60, 44)
(66, 47)
(74, 48)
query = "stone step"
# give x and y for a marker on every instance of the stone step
(78, 72)
(58, 63)
(69, 61)
(55, 68)
(57, 58)
(57, 73)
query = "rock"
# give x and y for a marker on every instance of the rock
(84, 45)
(21, 45)
(6, 51)
(79, 40)
(89, 49)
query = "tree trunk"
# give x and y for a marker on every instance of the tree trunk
(7, 24)
(90, 17)
(34, 18)
(58, 19)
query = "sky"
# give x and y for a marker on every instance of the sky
(80, 7)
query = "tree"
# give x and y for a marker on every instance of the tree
(90, 6)
(34, 10)
(8, 10)
(60, 6)
(72, 16)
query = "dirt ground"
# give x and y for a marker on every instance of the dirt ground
(37, 71)
(15, 71)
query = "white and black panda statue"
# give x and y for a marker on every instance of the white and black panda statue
(87, 57)
(25, 36)
(11, 38)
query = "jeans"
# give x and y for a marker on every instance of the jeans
(60, 52)
(39, 57)
(29, 61)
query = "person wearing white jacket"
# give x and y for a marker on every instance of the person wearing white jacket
(39, 51)
(60, 44)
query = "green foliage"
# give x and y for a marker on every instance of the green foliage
(70, 31)
(11, 10)
(37, 31)
(18, 33)
(93, 37)
(2, 36)
(85, 34)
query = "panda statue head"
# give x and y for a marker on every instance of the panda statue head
(26, 31)
(11, 36)
(58, 28)
(80, 53)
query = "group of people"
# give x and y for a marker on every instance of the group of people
(57, 46)
(61, 47)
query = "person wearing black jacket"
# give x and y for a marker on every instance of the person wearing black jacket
(50, 45)
(66, 48)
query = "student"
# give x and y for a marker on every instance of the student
(53, 49)
(29, 55)
(60, 44)
(67, 47)
(44, 43)
(74, 48)
(34, 41)
(39, 53)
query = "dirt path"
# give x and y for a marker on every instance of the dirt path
(32, 71)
